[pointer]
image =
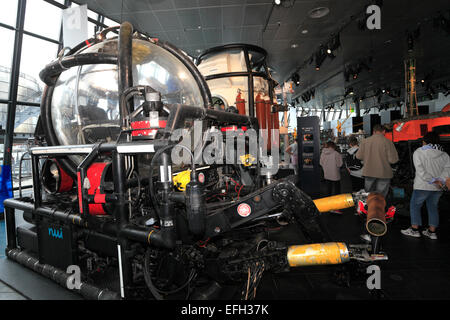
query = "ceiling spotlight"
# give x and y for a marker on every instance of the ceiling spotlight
(277, 2)
(296, 78)
(348, 91)
(384, 91)
(294, 45)
(304, 31)
(320, 57)
(329, 51)
(319, 12)
(335, 42)
(346, 75)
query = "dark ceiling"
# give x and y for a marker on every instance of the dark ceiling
(195, 25)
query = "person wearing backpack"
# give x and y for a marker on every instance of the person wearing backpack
(354, 165)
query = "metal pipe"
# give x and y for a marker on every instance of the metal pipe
(59, 215)
(318, 254)
(121, 215)
(236, 74)
(124, 62)
(118, 166)
(376, 219)
(85, 289)
(10, 219)
(178, 113)
(357, 108)
(20, 172)
(14, 85)
(251, 97)
(150, 236)
(63, 150)
(49, 75)
(36, 182)
(82, 171)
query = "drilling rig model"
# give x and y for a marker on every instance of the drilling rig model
(109, 199)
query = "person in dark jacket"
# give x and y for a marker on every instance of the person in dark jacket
(354, 165)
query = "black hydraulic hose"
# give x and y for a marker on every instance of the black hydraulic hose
(49, 75)
(104, 32)
(151, 236)
(152, 165)
(124, 63)
(87, 43)
(148, 279)
(86, 290)
(130, 92)
(178, 114)
(155, 291)
(20, 172)
(64, 216)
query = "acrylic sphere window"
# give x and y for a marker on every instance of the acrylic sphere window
(85, 101)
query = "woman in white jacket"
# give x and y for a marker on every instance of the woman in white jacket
(431, 163)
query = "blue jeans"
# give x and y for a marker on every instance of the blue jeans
(377, 184)
(417, 199)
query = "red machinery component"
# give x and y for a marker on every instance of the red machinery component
(276, 126)
(144, 129)
(416, 128)
(54, 178)
(269, 123)
(233, 128)
(240, 103)
(260, 111)
(98, 175)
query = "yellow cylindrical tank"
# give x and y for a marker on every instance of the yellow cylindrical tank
(316, 254)
(341, 201)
